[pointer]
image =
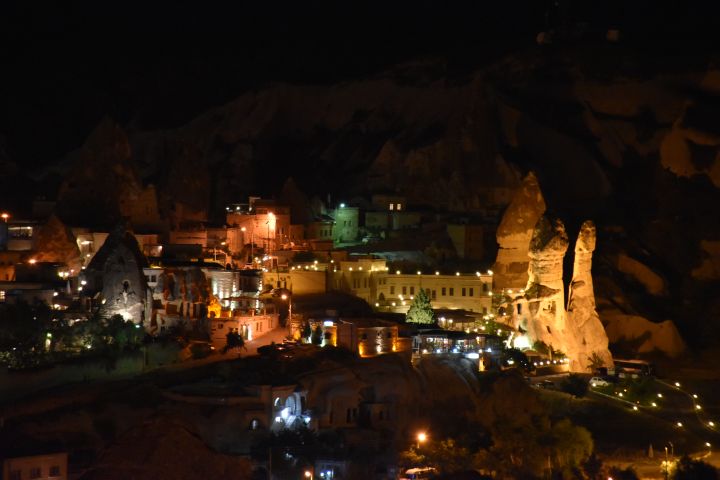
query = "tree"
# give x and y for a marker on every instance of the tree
(618, 473)
(233, 340)
(121, 334)
(516, 358)
(595, 361)
(575, 385)
(421, 310)
(306, 331)
(689, 469)
(446, 456)
(317, 335)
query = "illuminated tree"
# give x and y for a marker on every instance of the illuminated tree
(595, 361)
(421, 310)
(306, 331)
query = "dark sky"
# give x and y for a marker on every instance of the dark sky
(149, 65)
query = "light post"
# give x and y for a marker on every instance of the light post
(308, 474)
(5, 216)
(252, 242)
(421, 438)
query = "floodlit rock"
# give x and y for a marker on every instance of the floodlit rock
(544, 318)
(515, 232)
(653, 283)
(645, 335)
(540, 311)
(589, 334)
(55, 243)
(116, 271)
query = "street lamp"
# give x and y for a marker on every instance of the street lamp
(421, 438)
(5, 216)
(308, 474)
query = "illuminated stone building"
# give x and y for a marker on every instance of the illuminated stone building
(371, 280)
(262, 223)
(347, 222)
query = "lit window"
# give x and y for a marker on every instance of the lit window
(399, 206)
(391, 206)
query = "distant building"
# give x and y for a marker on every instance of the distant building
(347, 222)
(51, 466)
(249, 326)
(298, 280)
(371, 280)
(263, 223)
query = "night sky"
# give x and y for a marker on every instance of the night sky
(159, 65)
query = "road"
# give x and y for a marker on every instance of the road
(684, 411)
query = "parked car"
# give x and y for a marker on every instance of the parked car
(598, 382)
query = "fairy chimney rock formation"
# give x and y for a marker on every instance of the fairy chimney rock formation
(576, 332)
(545, 319)
(515, 233)
(582, 314)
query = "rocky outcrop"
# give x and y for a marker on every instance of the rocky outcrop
(692, 147)
(650, 280)
(709, 268)
(116, 272)
(640, 335)
(102, 175)
(583, 319)
(540, 312)
(55, 243)
(514, 235)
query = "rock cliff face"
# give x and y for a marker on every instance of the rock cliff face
(514, 235)
(102, 175)
(625, 138)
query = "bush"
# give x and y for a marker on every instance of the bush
(689, 469)
(623, 474)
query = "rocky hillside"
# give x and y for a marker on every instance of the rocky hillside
(626, 140)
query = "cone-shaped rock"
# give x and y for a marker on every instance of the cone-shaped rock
(514, 235)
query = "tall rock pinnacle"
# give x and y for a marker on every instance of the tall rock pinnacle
(515, 232)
